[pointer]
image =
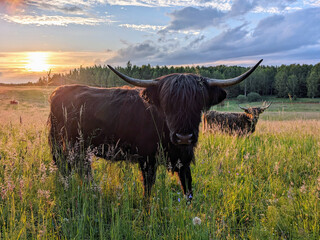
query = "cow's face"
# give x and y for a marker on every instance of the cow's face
(253, 113)
(181, 99)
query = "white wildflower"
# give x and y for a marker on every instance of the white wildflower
(196, 221)
(179, 164)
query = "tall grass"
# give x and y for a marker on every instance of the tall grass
(266, 186)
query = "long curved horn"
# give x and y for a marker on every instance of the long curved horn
(264, 108)
(232, 81)
(134, 81)
(243, 108)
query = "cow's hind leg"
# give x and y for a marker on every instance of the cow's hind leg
(60, 158)
(58, 150)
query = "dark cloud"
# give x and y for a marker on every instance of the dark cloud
(145, 51)
(241, 7)
(274, 34)
(196, 42)
(71, 9)
(294, 30)
(191, 18)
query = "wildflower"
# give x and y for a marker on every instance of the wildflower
(64, 181)
(52, 167)
(179, 164)
(43, 177)
(44, 193)
(10, 185)
(3, 192)
(90, 154)
(169, 166)
(290, 194)
(303, 189)
(196, 221)
(41, 232)
(43, 168)
(178, 199)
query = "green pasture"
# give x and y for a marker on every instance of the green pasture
(281, 108)
(266, 186)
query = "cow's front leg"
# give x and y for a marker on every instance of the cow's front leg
(148, 168)
(186, 182)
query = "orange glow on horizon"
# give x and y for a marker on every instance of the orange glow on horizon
(37, 62)
(18, 67)
(12, 6)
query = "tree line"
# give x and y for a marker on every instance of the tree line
(294, 81)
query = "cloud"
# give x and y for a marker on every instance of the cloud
(146, 51)
(70, 9)
(218, 4)
(273, 34)
(195, 42)
(277, 34)
(241, 7)
(191, 18)
(194, 18)
(64, 6)
(53, 20)
(312, 2)
(143, 27)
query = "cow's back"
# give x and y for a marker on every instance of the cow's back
(224, 121)
(113, 116)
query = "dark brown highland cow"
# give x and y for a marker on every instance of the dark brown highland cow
(234, 123)
(133, 124)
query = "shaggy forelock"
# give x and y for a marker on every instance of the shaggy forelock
(183, 95)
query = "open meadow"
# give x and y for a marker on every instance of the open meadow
(266, 186)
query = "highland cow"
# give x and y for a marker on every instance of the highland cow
(136, 124)
(234, 123)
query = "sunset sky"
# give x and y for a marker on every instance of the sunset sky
(38, 35)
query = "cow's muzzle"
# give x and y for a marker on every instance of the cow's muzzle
(184, 139)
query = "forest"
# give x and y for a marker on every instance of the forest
(285, 81)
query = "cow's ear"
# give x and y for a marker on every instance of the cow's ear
(151, 95)
(216, 95)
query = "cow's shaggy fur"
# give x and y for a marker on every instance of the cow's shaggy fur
(233, 123)
(131, 124)
(134, 124)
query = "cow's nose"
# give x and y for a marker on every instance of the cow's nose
(184, 139)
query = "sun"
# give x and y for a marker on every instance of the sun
(37, 62)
